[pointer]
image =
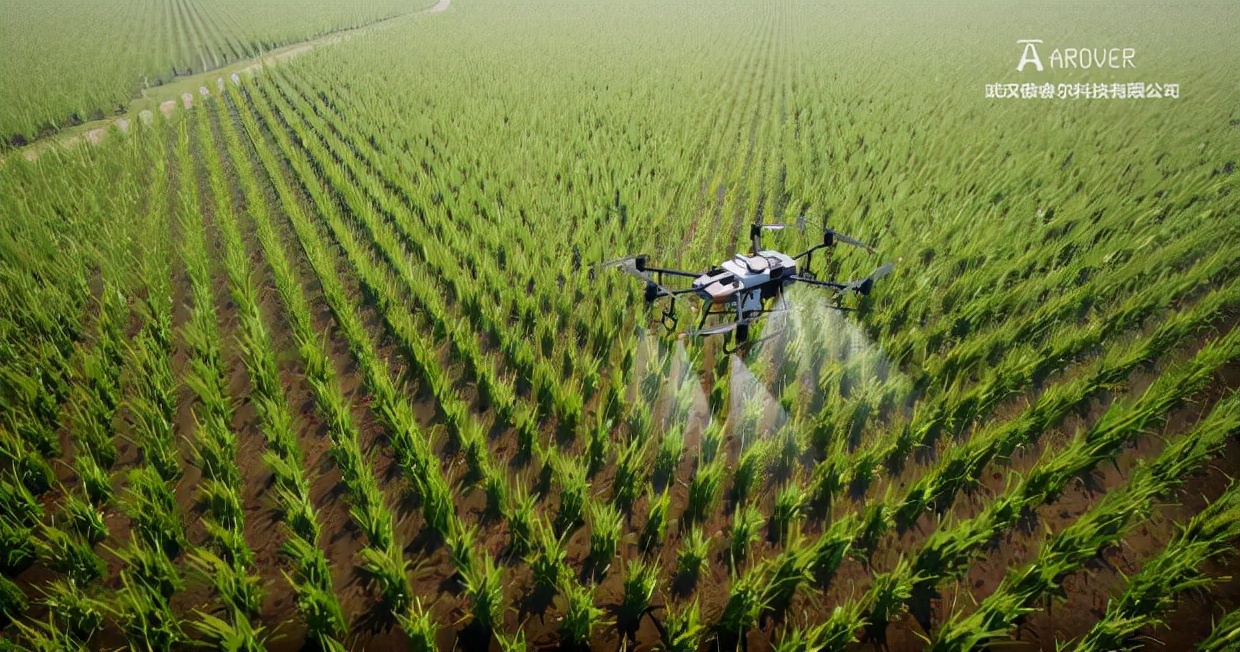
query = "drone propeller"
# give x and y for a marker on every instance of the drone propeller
(635, 266)
(863, 286)
(846, 239)
(831, 236)
(716, 330)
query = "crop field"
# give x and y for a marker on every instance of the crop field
(330, 361)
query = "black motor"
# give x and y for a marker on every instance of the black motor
(652, 292)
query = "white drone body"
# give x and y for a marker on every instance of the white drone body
(744, 279)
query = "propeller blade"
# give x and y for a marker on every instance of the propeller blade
(628, 265)
(847, 239)
(882, 271)
(716, 330)
(863, 286)
(620, 262)
(836, 235)
(774, 227)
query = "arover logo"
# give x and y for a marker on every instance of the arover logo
(1083, 58)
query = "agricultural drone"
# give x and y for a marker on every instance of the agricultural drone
(743, 286)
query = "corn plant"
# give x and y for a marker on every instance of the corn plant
(375, 519)
(18, 544)
(1225, 635)
(640, 579)
(29, 468)
(18, 503)
(149, 568)
(96, 483)
(655, 528)
(683, 628)
(887, 597)
(235, 586)
(44, 636)
(147, 618)
(238, 636)
(74, 610)
(704, 491)
(65, 552)
(522, 518)
(325, 620)
(828, 552)
(627, 484)
(747, 600)
(789, 507)
(485, 590)
(598, 445)
(574, 494)
(462, 546)
(299, 514)
(419, 626)
(606, 527)
(222, 503)
(581, 616)
(547, 559)
(388, 570)
(667, 457)
(745, 531)
(230, 543)
(153, 510)
(437, 507)
(308, 561)
(693, 555)
(13, 602)
(750, 470)
(712, 442)
(496, 487)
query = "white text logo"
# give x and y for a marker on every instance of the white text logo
(1082, 58)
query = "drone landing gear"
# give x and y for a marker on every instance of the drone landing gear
(739, 341)
(668, 318)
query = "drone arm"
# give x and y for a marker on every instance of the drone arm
(673, 272)
(809, 251)
(826, 284)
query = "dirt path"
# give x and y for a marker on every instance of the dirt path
(167, 98)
